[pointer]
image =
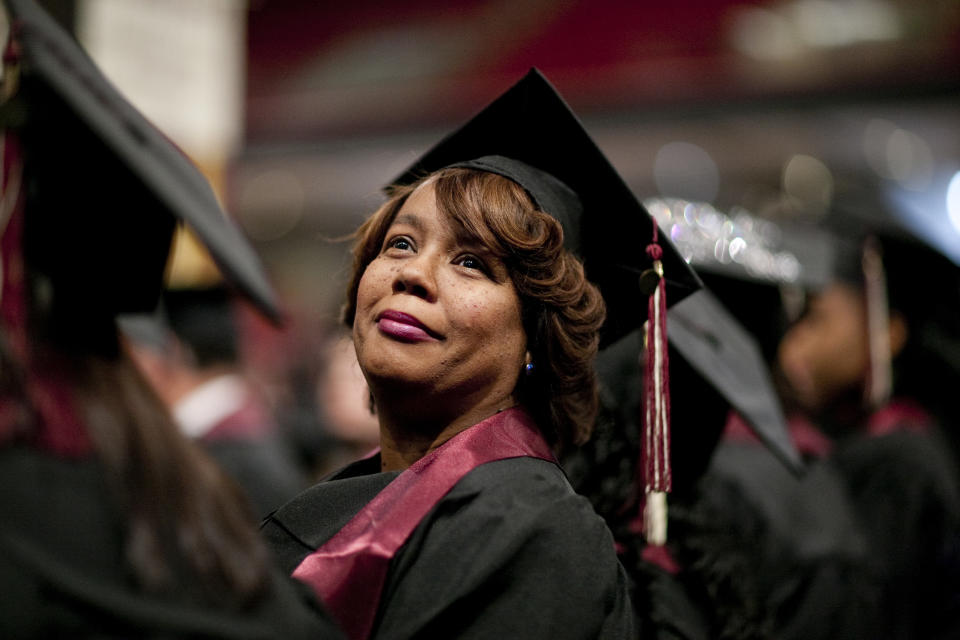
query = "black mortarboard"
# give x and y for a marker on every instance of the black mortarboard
(204, 319)
(912, 272)
(531, 136)
(105, 188)
(727, 357)
(740, 245)
(749, 262)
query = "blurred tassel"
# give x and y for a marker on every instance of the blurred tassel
(656, 402)
(879, 379)
(655, 518)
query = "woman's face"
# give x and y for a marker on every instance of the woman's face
(437, 313)
(827, 352)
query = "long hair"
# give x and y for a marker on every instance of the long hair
(562, 311)
(185, 522)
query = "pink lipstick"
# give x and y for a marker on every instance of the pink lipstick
(404, 327)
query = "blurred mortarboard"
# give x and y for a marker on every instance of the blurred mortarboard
(204, 319)
(105, 187)
(530, 135)
(917, 239)
(728, 358)
(201, 318)
(759, 268)
(744, 246)
(914, 250)
(715, 366)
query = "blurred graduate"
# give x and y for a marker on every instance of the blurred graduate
(190, 352)
(113, 523)
(873, 363)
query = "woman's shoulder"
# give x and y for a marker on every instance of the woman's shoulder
(314, 516)
(510, 538)
(522, 494)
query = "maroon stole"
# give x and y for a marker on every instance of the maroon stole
(348, 572)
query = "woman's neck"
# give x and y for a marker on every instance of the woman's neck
(404, 441)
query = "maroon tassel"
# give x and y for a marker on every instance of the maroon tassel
(656, 403)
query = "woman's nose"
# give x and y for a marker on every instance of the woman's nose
(417, 276)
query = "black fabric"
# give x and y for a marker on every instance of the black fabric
(264, 467)
(668, 611)
(728, 358)
(510, 552)
(548, 193)
(813, 560)
(62, 570)
(91, 145)
(904, 489)
(302, 525)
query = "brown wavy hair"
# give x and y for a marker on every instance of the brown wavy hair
(562, 311)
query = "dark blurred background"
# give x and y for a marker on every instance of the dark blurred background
(299, 110)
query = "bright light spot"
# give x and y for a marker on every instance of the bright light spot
(684, 170)
(837, 24)
(809, 182)
(898, 154)
(737, 245)
(764, 35)
(875, 138)
(820, 23)
(271, 204)
(953, 201)
(909, 159)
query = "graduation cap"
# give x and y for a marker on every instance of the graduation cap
(105, 188)
(740, 245)
(204, 318)
(893, 246)
(728, 358)
(759, 268)
(531, 136)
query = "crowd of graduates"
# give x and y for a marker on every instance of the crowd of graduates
(597, 417)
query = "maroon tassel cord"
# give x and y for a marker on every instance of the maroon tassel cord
(656, 402)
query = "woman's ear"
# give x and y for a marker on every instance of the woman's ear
(899, 332)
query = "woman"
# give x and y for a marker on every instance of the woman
(113, 524)
(873, 363)
(476, 331)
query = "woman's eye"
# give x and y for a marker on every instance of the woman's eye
(472, 262)
(400, 242)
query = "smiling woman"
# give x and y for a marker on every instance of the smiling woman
(476, 329)
(435, 321)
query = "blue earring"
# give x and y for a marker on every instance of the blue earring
(528, 368)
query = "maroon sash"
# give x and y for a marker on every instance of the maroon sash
(348, 572)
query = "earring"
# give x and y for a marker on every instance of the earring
(528, 368)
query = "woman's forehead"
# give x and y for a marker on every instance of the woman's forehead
(465, 223)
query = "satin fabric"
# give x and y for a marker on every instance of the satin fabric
(349, 571)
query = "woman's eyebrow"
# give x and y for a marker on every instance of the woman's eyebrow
(409, 219)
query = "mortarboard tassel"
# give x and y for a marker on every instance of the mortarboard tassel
(877, 391)
(656, 402)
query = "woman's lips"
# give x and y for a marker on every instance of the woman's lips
(404, 327)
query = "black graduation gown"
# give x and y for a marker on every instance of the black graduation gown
(904, 489)
(809, 551)
(62, 571)
(509, 552)
(264, 468)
